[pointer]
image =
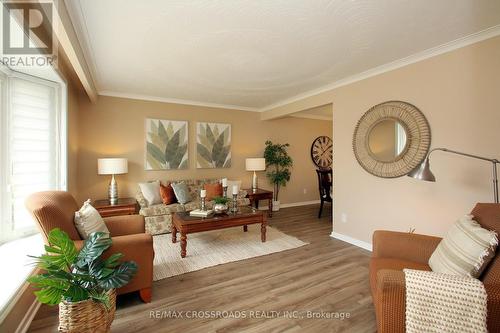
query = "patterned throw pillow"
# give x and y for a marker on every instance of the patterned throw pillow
(151, 192)
(181, 191)
(167, 194)
(213, 190)
(465, 250)
(88, 220)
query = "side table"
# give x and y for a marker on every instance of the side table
(124, 206)
(260, 194)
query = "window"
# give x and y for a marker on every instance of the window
(33, 147)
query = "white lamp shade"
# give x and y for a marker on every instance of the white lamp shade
(255, 164)
(112, 166)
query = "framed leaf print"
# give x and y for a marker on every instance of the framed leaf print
(166, 144)
(213, 145)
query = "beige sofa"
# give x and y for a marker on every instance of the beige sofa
(158, 218)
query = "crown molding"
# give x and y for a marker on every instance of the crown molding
(76, 14)
(175, 101)
(414, 58)
(311, 116)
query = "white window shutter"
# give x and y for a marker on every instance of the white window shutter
(32, 145)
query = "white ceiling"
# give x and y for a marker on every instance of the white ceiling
(251, 54)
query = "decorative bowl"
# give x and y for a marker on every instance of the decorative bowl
(220, 208)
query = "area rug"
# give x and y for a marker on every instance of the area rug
(211, 248)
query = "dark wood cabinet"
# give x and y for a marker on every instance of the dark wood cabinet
(124, 206)
(259, 194)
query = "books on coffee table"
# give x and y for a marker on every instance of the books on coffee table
(201, 213)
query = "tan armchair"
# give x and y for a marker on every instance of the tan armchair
(394, 251)
(56, 209)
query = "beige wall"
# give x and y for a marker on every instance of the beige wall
(115, 127)
(458, 92)
(73, 97)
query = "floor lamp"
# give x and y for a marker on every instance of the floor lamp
(423, 171)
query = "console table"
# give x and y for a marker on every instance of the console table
(260, 194)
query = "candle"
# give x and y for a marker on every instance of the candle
(203, 193)
(224, 182)
(235, 189)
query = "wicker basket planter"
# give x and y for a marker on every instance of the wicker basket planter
(87, 316)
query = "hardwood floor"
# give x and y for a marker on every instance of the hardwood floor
(325, 277)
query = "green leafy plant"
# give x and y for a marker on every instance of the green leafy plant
(280, 162)
(221, 200)
(74, 275)
(166, 148)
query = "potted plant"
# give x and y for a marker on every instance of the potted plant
(280, 162)
(81, 282)
(220, 204)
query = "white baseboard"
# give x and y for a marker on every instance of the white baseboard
(25, 323)
(353, 241)
(293, 204)
(302, 203)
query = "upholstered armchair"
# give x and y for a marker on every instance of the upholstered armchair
(394, 251)
(56, 209)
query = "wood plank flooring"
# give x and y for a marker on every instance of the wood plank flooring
(272, 293)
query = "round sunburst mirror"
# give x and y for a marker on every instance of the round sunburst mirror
(391, 139)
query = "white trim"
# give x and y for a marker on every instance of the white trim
(353, 241)
(174, 101)
(13, 301)
(25, 323)
(75, 12)
(68, 40)
(312, 116)
(300, 203)
(419, 56)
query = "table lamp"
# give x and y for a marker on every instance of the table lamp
(112, 166)
(255, 164)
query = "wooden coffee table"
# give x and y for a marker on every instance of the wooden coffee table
(185, 224)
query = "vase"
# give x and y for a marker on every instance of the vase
(276, 205)
(220, 208)
(87, 316)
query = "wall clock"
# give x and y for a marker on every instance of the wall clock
(322, 152)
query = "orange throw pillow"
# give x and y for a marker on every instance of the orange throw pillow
(213, 190)
(167, 194)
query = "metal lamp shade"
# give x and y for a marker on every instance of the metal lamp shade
(423, 172)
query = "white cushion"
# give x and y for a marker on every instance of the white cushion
(465, 250)
(151, 192)
(88, 220)
(230, 184)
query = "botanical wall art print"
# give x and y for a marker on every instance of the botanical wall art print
(166, 144)
(213, 145)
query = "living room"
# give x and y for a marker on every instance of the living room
(258, 165)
